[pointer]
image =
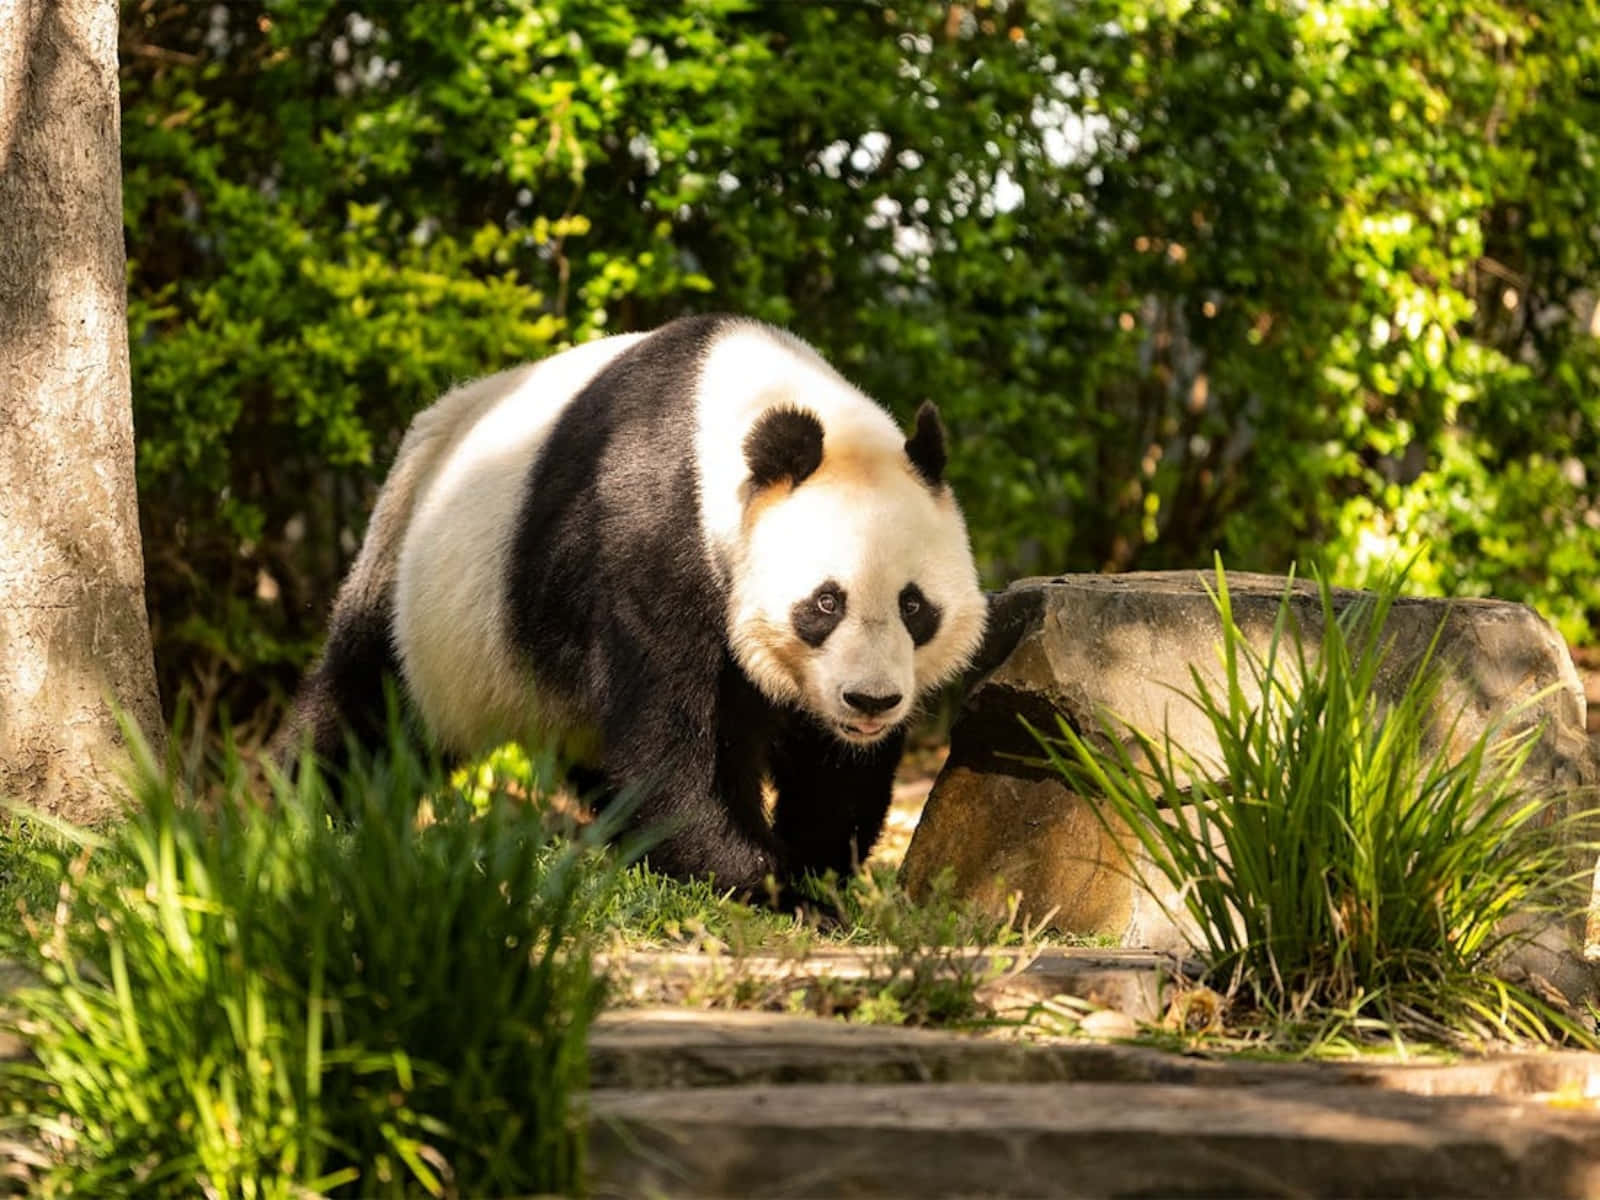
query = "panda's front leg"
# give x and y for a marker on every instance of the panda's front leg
(832, 797)
(690, 836)
(696, 800)
(707, 845)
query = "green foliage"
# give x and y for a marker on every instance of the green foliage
(251, 1000)
(334, 211)
(1343, 874)
(1281, 278)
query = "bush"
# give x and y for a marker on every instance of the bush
(253, 1000)
(1341, 875)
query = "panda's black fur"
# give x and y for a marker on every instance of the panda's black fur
(612, 601)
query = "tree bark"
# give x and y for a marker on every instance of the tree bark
(74, 634)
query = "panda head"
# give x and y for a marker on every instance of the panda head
(855, 592)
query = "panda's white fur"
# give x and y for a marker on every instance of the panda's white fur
(542, 555)
(450, 617)
(865, 519)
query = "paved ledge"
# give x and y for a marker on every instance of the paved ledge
(679, 1048)
(1084, 1139)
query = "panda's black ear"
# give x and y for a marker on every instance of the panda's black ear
(925, 446)
(786, 443)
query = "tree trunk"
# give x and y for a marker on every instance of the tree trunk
(74, 635)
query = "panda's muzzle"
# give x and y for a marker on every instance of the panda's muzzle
(871, 714)
(870, 705)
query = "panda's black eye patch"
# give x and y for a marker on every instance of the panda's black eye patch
(920, 615)
(819, 614)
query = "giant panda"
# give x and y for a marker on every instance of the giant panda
(694, 561)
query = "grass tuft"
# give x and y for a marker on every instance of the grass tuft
(929, 960)
(1346, 880)
(374, 988)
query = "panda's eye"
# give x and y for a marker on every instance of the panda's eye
(918, 614)
(819, 614)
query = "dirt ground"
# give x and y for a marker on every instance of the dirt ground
(911, 786)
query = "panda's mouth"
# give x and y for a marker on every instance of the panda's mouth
(866, 730)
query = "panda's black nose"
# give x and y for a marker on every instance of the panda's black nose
(871, 705)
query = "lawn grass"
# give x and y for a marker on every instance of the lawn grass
(912, 962)
(27, 878)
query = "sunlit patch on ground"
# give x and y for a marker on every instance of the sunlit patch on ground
(912, 783)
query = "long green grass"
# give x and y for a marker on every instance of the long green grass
(378, 988)
(1348, 871)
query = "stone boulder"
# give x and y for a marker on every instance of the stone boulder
(1087, 646)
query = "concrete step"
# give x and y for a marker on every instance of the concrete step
(1084, 1139)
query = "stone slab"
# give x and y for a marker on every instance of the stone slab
(1083, 1139)
(677, 1047)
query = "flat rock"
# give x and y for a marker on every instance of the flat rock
(1086, 646)
(1083, 1139)
(675, 1047)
